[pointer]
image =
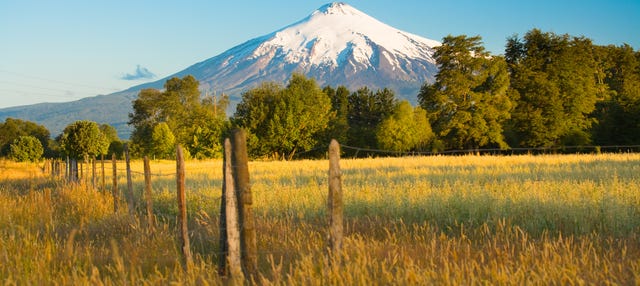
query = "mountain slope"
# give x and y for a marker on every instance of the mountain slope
(337, 45)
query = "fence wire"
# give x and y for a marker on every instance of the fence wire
(515, 150)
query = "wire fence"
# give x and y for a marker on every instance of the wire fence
(501, 151)
(360, 152)
(314, 221)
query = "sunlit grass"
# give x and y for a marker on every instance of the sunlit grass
(563, 219)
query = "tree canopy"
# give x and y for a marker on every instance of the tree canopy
(197, 122)
(405, 130)
(26, 149)
(553, 77)
(367, 109)
(468, 103)
(12, 129)
(82, 139)
(282, 121)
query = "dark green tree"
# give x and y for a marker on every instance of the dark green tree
(553, 77)
(618, 114)
(366, 111)
(254, 113)
(83, 139)
(339, 127)
(12, 128)
(283, 121)
(468, 103)
(26, 149)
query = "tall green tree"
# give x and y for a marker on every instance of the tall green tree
(553, 77)
(339, 127)
(405, 130)
(367, 109)
(283, 121)
(618, 114)
(148, 111)
(197, 122)
(468, 103)
(83, 138)
(26, 149)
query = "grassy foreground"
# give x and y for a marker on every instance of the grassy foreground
(465, 220)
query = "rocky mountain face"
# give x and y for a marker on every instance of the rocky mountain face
(336, 45)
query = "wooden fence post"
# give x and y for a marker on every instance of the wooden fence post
(85, 176)
(147, 192)
(229, 229)
(129, 192)
(66, 170)
(73, 170)
(240, 164)
(74, 166)
(114, 187)
(93, 172)
(335, 199)
(80, 171)
(182, 210)
(103, 178)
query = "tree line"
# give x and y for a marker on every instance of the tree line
(548, 90)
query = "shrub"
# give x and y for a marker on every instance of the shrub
(26, 149)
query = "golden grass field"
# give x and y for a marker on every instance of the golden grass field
(441, 220)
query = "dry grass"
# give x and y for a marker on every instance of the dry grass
(466, 220)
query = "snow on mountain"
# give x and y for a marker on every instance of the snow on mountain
(336, 28)
(337, 45)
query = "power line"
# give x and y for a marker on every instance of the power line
(57, 81)
(22, 92)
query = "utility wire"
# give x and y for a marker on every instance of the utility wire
(56, 81)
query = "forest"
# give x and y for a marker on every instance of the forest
(547, 91)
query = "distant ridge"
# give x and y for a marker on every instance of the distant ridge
(336, 45)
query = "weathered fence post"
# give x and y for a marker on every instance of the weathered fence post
(66, 170)
(114, 187)
(129, 192)
(229, 229)
(147, 192)
(73, 170)
(240, 164)
(80, 171)
(85, 173)
(335, 199)
(102, 165)
(182, 210)
(76, 174)
(93, 172)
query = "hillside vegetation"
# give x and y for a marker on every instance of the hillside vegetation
(465, 220)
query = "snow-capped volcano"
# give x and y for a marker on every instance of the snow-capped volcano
(337, 45)
(336, 31)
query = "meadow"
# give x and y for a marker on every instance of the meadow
(437, 220)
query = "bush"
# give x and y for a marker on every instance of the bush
(26, 149)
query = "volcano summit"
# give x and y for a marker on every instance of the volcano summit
(336, 45)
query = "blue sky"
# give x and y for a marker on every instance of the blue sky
(54, 51)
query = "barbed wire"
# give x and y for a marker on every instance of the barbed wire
(491, 150)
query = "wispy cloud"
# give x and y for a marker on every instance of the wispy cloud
(140, 73)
